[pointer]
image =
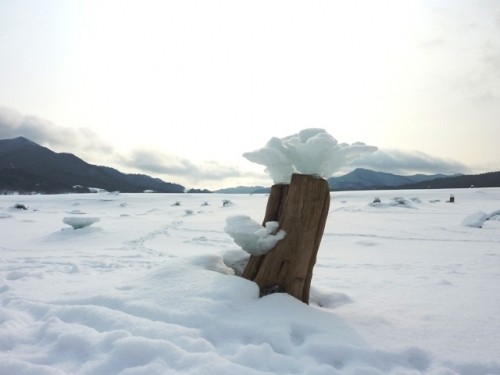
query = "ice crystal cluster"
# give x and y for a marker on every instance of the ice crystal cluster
(311, 151)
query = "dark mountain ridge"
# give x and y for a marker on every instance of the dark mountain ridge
(489, 179)
(26, 167)
(363, 179)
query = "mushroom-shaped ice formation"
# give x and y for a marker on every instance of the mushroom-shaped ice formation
(275, 157)
(312, 151)
(78, 222)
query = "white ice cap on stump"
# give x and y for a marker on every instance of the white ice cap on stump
(311, 151)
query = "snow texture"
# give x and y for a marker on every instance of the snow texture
(154, 290)
(253, 237)
(312, 151)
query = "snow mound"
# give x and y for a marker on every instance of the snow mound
(80, 222)
(312, 151)
(212, 262)
(253, 237)
(478, 219)
(475, 220)
(327, 298)
(236, 260)
(395, 202)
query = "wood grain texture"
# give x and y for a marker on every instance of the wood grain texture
(301, 209)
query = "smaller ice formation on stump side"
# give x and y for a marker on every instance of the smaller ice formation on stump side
(312, 151)
(253, 237)
(80, 222)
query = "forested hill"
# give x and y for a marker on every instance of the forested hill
(28, 167)
(365, 179)
(490, 179)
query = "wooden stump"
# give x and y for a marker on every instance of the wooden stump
(301, 208)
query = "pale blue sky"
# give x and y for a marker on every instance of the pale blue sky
(180, 89)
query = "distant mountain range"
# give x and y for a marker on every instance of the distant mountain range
(28, 167)
(364, 179)
(244, 190)
(489, 179)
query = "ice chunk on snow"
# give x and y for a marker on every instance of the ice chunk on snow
(312, 151)
(80, 222)
(478, 219)
(253, 237)
(475, 220)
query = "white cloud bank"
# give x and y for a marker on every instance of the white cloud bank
(59, 138)
(408, 162)
(312, 151)
(87, 145)
(163, 163)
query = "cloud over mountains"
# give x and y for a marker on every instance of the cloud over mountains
(13, 124)
(162, 163)
(408, 162)
(86, 143)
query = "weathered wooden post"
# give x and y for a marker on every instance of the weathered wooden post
(301, 208)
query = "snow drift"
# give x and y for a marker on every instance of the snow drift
(153, 291)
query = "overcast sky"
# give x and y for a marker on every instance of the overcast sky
(181, 89)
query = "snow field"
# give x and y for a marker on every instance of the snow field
(151, 288)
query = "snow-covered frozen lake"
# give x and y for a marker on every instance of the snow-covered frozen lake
(399, 287)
